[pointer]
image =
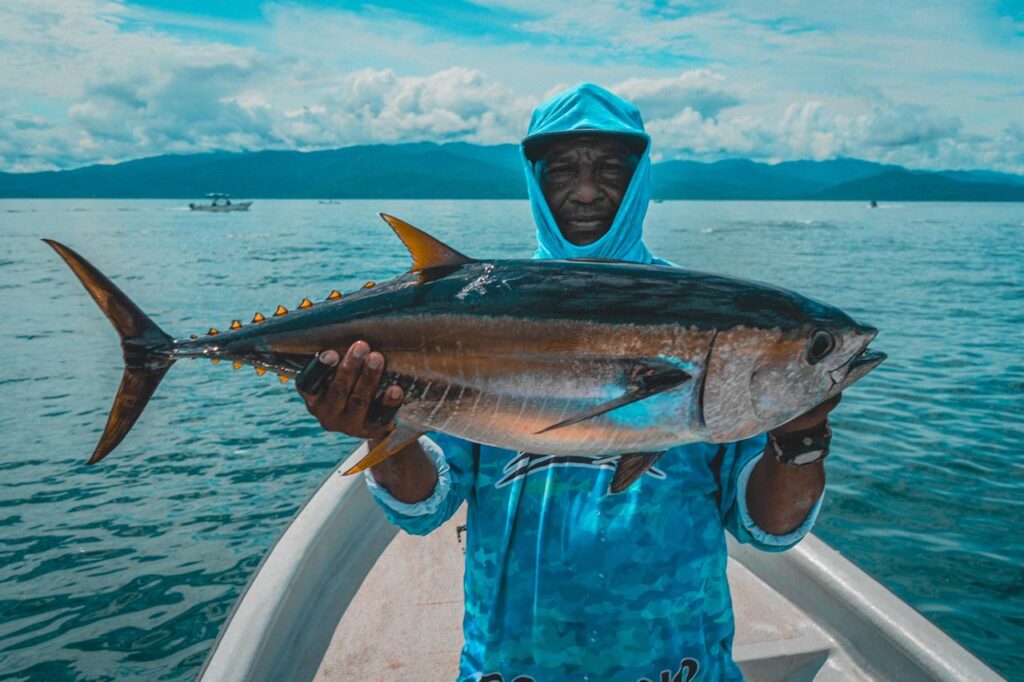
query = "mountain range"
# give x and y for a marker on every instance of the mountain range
(459, 170)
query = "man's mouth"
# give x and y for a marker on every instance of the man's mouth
(588, 224)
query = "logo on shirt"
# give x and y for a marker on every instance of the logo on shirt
(688, 668)
(525, 463)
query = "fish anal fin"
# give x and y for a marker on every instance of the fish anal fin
(399, 437)
(649, 377)
(426, 251)
(631, 467)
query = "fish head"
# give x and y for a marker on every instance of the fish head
(765, 373)
(808, 367)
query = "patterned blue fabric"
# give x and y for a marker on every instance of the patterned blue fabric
(566, 582)
(563, 580)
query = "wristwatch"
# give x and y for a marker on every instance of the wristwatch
(800, 449)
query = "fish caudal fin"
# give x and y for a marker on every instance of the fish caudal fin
(401, 436)
(146, 349)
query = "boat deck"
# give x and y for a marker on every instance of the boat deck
(422, 609)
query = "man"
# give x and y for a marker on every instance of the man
(564, 581)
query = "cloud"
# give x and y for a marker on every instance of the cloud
(29, 142)
(381, 106)
(190, 101)
(97, 80)
(174, 96)
(909, 124)
(700, 90)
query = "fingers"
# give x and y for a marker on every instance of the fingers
(390, 403)
(365, 389)
(337, 393)
(311, 380)
(341, 391)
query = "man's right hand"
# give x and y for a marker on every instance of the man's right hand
(342, 401)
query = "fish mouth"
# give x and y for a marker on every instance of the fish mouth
(859, 363)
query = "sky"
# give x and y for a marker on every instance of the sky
(933, 85)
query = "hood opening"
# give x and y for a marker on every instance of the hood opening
(588, 109)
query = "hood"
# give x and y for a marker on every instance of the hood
(591, 108)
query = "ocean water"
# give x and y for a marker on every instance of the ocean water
(128, 569)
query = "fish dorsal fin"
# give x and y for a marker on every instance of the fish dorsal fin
(426, 251)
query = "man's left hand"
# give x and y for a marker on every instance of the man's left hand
(811, 419)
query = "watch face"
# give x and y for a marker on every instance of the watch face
(808, 457)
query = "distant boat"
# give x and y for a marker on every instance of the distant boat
(329, 201)
(220, 203)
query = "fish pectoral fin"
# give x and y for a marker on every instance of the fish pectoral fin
(426, 251)
(399, 437)
(649, 377)
(631, 467)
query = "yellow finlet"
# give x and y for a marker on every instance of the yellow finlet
(334, 295)
(306, 303)
(260, 371)
(283, 378)
(212, 332)
(237, 364)
(369, 285)
(426, 251)
(399, 437)
(281, 310)
(257, 318)
(235, 324)
(215, 361)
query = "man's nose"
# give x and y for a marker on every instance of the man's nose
(587, 191)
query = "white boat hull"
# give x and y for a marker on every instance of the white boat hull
(240, 206)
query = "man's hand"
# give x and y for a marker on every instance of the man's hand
(779, 497)
(343, 399)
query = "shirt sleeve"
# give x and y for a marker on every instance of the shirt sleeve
(453, 459)
(738, 462)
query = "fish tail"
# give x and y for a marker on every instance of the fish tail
(147, 350)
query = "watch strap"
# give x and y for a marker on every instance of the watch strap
(801, 449)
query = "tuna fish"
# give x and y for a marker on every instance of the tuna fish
(555, 357)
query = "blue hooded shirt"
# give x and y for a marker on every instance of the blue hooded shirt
(563, 580)
(589, 108)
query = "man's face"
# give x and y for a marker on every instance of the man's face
(584, 179)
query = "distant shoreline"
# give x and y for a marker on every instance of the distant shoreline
(460, 171)
(881, 203)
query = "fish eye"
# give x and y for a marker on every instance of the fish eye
(822, 343)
